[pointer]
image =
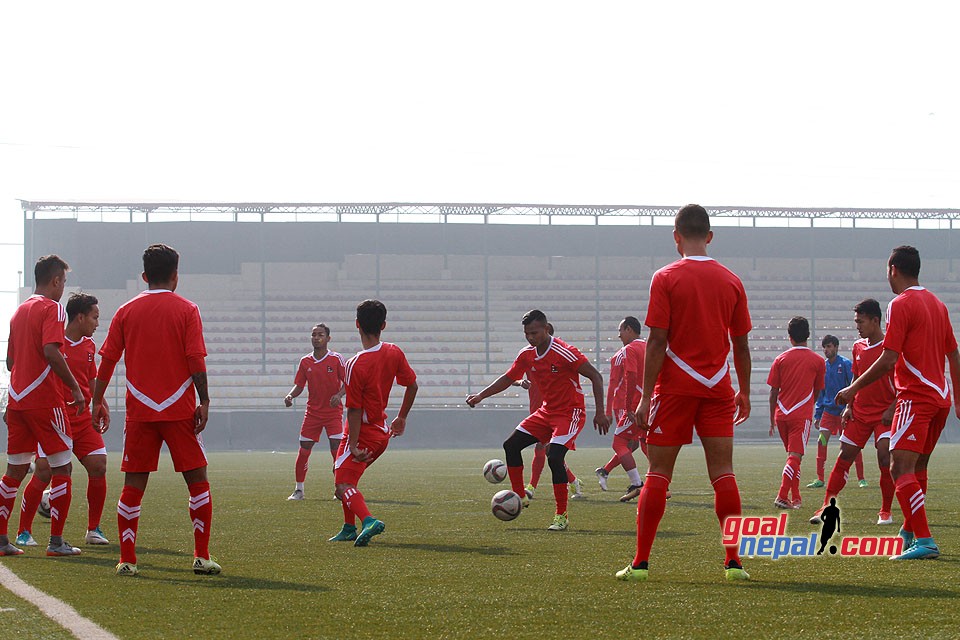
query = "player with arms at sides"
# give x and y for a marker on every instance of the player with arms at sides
(919, 337)
(369, 379)
(555, 367)
(795, 379)
(623, 391)
(827, 415)
(322, 373)
(160, 337)
(696, 307)
(83, 318)
(870, 413)
(36, 414)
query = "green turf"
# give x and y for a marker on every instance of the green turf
(446, 568)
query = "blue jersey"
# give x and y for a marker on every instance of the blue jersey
(839, 375)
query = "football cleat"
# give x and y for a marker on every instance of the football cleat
(907, 537)
(10, 550)
(296, 495)
(64, 548)
(734, 574)
(602, 475)
(205, 567)
(632, 492)
(629, 574)
(524, 500)
(44, 507)
(529, 491)
(815, 518)
(884, 517)
(921, 549)
(371, 527)
(863, 484)
(560, 523)
(796, 504)
(816, 484)
(780, 503)
(575, 491)
(347, 534)
(127, 569)
(24, 539)
(95, 536)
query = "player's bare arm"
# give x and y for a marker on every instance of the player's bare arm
(497, 386)
(652, 364)
(600, 421)
(55, 359)
(774, 395)
(354, 420)
(203, 409)
(400, 422)
(886, 362)
(742, 363)
(954, 360)
(294, 392)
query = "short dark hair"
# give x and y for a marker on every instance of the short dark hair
(48, 268)
(534, 315)
(692, 221)
(798, 329)
(829, 339)
(868, 307)
(320, 325)
(632, 323)
(371, 314)
(160, 262)
(78, 303)
(906, 259)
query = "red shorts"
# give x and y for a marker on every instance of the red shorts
(858, 432)
(917, 426)
(831, 423)
(314, 426)
(49, 428)
(142, 440)
(86, 440)
(627, 428)
(346, 468)
(673, 418)
(794, 432)
(555, 427)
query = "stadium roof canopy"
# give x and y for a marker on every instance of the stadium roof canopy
(549, 214)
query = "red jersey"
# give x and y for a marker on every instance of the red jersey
(322, 378)
(80, 358)
(871, 401)
(369, 379)
(555, 373)
(918, 328)
(626, 377)
(798, 373)
(156, 333)
(701, 304)
(536, 399)
(37, 322)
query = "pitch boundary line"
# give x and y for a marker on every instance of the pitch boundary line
(57, 610)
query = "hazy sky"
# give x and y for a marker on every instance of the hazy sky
(732, 103)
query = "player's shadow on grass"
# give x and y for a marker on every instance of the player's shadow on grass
(867, 590)
(450, 548)
(227, 581)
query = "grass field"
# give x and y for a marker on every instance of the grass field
(446, 568)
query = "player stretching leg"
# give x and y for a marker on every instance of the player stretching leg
(795, 379)
(36, 415)
(555, 367)
(870, 413)
(700, 305)
(919, 336)
(160, 337)
(83, 318)
(322, 372)
(369, 378)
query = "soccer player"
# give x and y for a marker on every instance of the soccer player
(870, 413)
(160, 336)
(918, 338)
(323, 373)
(83, 318)
(826, 417)
(370, 377)
(36, 414)
(555, 367)
(795, 379)
(623, 390)
(696, 306)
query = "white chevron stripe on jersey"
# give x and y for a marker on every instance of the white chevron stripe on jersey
(7, 492)
(693, 373)
(130, 513)
(199, 500)
(30, 387)
(787, 412)
(943, 392)
(198, 525)
(153, 404)
(128, 535)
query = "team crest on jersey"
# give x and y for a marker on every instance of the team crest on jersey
(329, 369)
(554, 369)
(89, 357)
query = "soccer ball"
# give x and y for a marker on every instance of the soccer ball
(44, 508)
(506, 505)
(495, 471)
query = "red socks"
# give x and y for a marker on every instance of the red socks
(614, 461)
(516, 480)
(887, 489)
(859, 463)
(96, 497)
(355, 502)
(300, 470)
(201, 513)
(560, 495)
(838, 479)
(650, 508)
(726, 502)
(570, 476)
(128, 519)
(29, 503)
(539, 459)
(911, 499)
(8, 495)
(791, 479)
(60, 494)
(348, 517)
(821, 459)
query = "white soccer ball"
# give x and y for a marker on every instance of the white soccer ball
(495, 471)
(506, 505)
(44, 508)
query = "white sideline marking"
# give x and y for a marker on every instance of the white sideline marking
(57, 610)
